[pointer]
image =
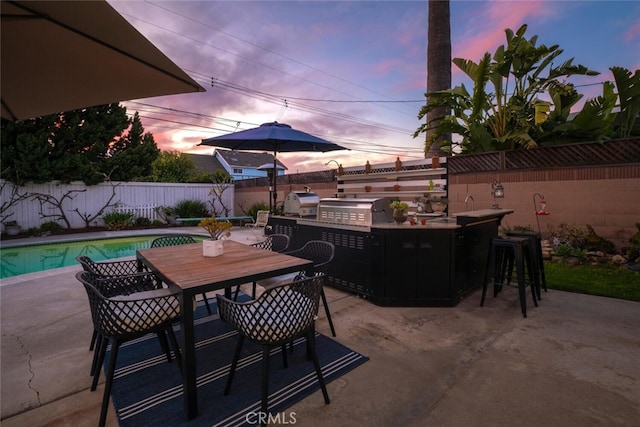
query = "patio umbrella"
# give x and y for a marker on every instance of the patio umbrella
(276, 137)
(64, 55)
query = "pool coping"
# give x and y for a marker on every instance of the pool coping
(32, 241)
(97, 235)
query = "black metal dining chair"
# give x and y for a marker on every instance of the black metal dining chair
(119, 318)
(321, 253)
(109, 268)
(175, 240)
(280, 315)
(275, 243)
(105, 269)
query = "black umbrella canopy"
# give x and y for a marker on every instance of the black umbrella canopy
(276, 137)
(64, 55)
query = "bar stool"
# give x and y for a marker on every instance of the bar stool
(505, 253)
(536, 243)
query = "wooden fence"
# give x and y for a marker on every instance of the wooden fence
(78, 200)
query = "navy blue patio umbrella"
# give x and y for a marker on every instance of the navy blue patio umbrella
(276, 137)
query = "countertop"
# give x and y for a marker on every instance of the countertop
(430, 225)
(438, 223)
(484, 213)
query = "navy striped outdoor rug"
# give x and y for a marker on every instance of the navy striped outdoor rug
(147, 391)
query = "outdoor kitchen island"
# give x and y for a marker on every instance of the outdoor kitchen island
(390, 264)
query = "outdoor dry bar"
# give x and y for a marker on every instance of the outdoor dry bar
(434, 264)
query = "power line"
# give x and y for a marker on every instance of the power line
(295, 61)
(257, 62)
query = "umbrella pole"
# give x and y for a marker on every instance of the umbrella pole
(275, 174)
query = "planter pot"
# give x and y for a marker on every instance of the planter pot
(212, 248)
(12, 230)
(400, 216)
(438, 206)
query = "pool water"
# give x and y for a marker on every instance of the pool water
(30, 259)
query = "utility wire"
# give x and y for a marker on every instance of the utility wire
(254, 61)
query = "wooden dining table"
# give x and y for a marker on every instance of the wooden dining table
(186, 268)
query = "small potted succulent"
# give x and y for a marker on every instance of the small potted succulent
(400, 211)
(218, 230)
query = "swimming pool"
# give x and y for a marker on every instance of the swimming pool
(30, 259)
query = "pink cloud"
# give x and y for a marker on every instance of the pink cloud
(633, 32)
(384, 68)
(491, 25)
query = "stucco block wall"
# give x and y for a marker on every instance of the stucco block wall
(248, 196)
(610, 206)
(606, 198)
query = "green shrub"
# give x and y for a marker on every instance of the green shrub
(566, 251)
(571, 235)
(260, 206)
(633, 251)
(118, 220)
(157, 223)
(597, 243)
(191, 209)
(563, 251)
(50, 226)
(142, 221)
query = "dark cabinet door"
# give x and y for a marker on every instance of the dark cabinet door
(435, 261)
(400, 263)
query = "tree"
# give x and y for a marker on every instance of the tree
(438, 66)
(69, 146)
(629, 92)
(503, 116)
(24, 145)
(172, 166)
(81, 141)
(130, 157)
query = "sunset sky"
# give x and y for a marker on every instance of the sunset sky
(352, 72)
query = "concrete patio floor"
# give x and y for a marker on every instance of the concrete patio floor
(572, 362)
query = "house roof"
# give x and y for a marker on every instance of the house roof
(205, 162)
(248, 159)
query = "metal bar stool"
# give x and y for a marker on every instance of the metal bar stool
(535, 243)
(505, 253)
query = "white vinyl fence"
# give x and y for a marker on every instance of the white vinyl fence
(139, 198)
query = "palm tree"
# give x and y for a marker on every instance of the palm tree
(438, 63)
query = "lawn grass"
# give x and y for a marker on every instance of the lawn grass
(602, 280)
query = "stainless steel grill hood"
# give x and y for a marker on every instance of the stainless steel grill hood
(355, 211)
(301, 204)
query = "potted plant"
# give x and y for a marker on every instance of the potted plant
(12, 228)
(439, 204)
(399, 211)
(218, 230)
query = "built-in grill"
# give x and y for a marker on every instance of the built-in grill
(354, 211)
(301, 204)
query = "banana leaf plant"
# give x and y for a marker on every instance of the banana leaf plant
(501, 112)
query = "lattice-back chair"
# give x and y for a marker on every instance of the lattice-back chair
(321, 253)
(280, 315)
(109, 268)
(104, 269)
(120, 318)
(275, 243)
(175, 240)
(117, 269)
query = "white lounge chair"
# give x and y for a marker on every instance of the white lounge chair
(262, 218)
